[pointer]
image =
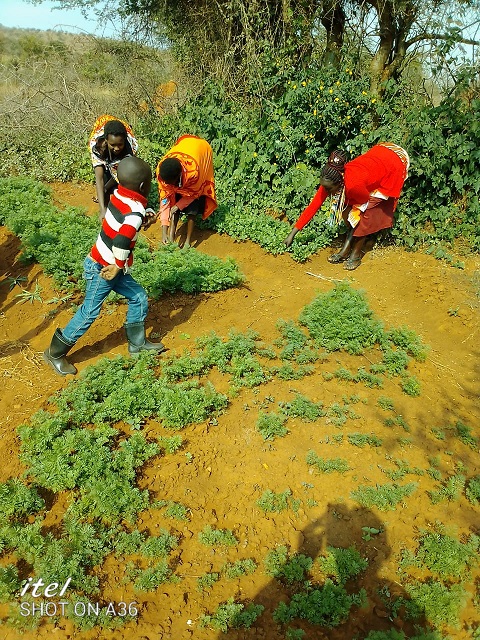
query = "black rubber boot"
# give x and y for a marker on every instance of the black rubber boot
(55, 355)
(138, 342)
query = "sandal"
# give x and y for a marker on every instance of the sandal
(352, 263)
(335, 258)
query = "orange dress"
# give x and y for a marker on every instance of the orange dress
(196, 157)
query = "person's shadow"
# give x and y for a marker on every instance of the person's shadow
(339, 527)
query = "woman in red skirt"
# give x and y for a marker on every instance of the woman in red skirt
(367, 190)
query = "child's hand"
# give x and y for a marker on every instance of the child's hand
(109, 272)
(150, 218)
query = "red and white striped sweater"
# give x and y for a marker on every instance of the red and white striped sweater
(123, 219)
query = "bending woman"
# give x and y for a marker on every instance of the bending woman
(367, 190)
(110, 141)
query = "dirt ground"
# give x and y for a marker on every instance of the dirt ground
(231, 466)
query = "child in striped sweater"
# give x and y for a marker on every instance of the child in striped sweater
(106, 269)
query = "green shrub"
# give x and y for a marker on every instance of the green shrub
(444, 556)
(18, 500)
(328, 606)
(341, 320)
(272, 502)
(439, 603)
(303, 408)
(271, 425)
(238, 568)
(290, 568)
(473, 490)
(232, 615)
(217, 537)
(342, 564)
(385, 497)
(329, 465)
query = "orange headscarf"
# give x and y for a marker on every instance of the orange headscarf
(195, 156)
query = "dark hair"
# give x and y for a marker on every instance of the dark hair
(333, 170)
(170, 170)
(132, 172)
(115, 128)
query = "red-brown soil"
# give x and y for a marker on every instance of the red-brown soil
(232, 465)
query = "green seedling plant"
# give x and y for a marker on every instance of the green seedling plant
(31, 296)
(272, 425)
(290, 568)
(340, 565)
(206, 581)
(238, 568)
(232, 615)
(369, 533)
(271, 502)
(211, 537)
(331, 465)
(385, 497)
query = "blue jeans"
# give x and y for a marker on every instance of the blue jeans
(97, 290)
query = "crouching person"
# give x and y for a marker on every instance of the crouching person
(106, 269)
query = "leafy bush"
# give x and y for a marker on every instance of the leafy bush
(385, 497)
(342, 320)
(327, 466)
(290, 568)
(217, 537)
(232, 615)
(439, 603)
(60, 240)
(303, 408)
(328, 606)
(473, 490)
(272, 502)
(342, 564)
(18, 500)
(444, 556)
(238, 568)
(271, 425)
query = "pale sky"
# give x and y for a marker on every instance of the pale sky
(21, 14)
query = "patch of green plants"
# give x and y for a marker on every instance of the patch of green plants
(303, 408)
(232, 615)
(472, 490)
(328, 606)
(294, 343)
(173, 510)
(18, 501)
(151, 578)
(206, 581)
(338, 414)
(440, 604)
(211, 537)
(397, 421)
(444, 556)
(9, 582)
(385, 403)
(364, 439)
(238, 568)
(385, 497)
(330, 465)
(342, 320)
(395, 634)
(60, 240)
(369, 533)
(289, 568)
(403, 468)
(450, 490)
(340, 565)
(410, 385)
(272, 425)
(271, 502)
